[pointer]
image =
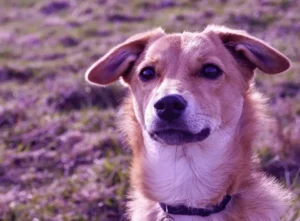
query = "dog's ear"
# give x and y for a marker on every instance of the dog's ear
(255, 51)
(120, 59)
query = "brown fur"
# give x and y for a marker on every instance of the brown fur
(231, 100)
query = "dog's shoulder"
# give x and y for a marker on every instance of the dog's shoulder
(263, 198)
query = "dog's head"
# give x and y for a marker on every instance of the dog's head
(187, 86)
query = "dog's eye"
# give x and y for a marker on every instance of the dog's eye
(211, 71)
(147, 74)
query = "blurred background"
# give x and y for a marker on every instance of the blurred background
(61, 155)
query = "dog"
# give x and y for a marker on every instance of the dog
(191, 118)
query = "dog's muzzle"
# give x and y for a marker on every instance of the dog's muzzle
(171, 128)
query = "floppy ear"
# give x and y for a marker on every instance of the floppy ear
(255, 51)
(120, 59)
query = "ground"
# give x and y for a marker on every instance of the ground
(61, 155)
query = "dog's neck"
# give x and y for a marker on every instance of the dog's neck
(194, 175)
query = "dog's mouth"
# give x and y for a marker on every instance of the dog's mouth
(179, 137)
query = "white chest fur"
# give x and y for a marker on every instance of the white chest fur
(186, 174)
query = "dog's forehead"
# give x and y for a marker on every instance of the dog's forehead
(196, 44)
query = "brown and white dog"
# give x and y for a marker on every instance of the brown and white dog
(191, 119)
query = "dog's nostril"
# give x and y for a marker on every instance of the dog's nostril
(179, 105)
(159, 105)
(170, 107)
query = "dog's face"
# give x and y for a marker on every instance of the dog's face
(187, 86)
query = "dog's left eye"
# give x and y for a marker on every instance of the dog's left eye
(211, 71)
(147, 74)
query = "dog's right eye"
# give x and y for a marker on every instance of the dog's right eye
(147, 74)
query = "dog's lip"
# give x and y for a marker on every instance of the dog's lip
(176, 136)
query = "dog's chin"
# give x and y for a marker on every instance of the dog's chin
(179, 137)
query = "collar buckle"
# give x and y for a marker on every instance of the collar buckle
(167, 217)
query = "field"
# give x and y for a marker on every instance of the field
(61, 155)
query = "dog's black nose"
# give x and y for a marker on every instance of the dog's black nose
(170, 107)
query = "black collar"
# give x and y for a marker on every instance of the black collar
(190, 211)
